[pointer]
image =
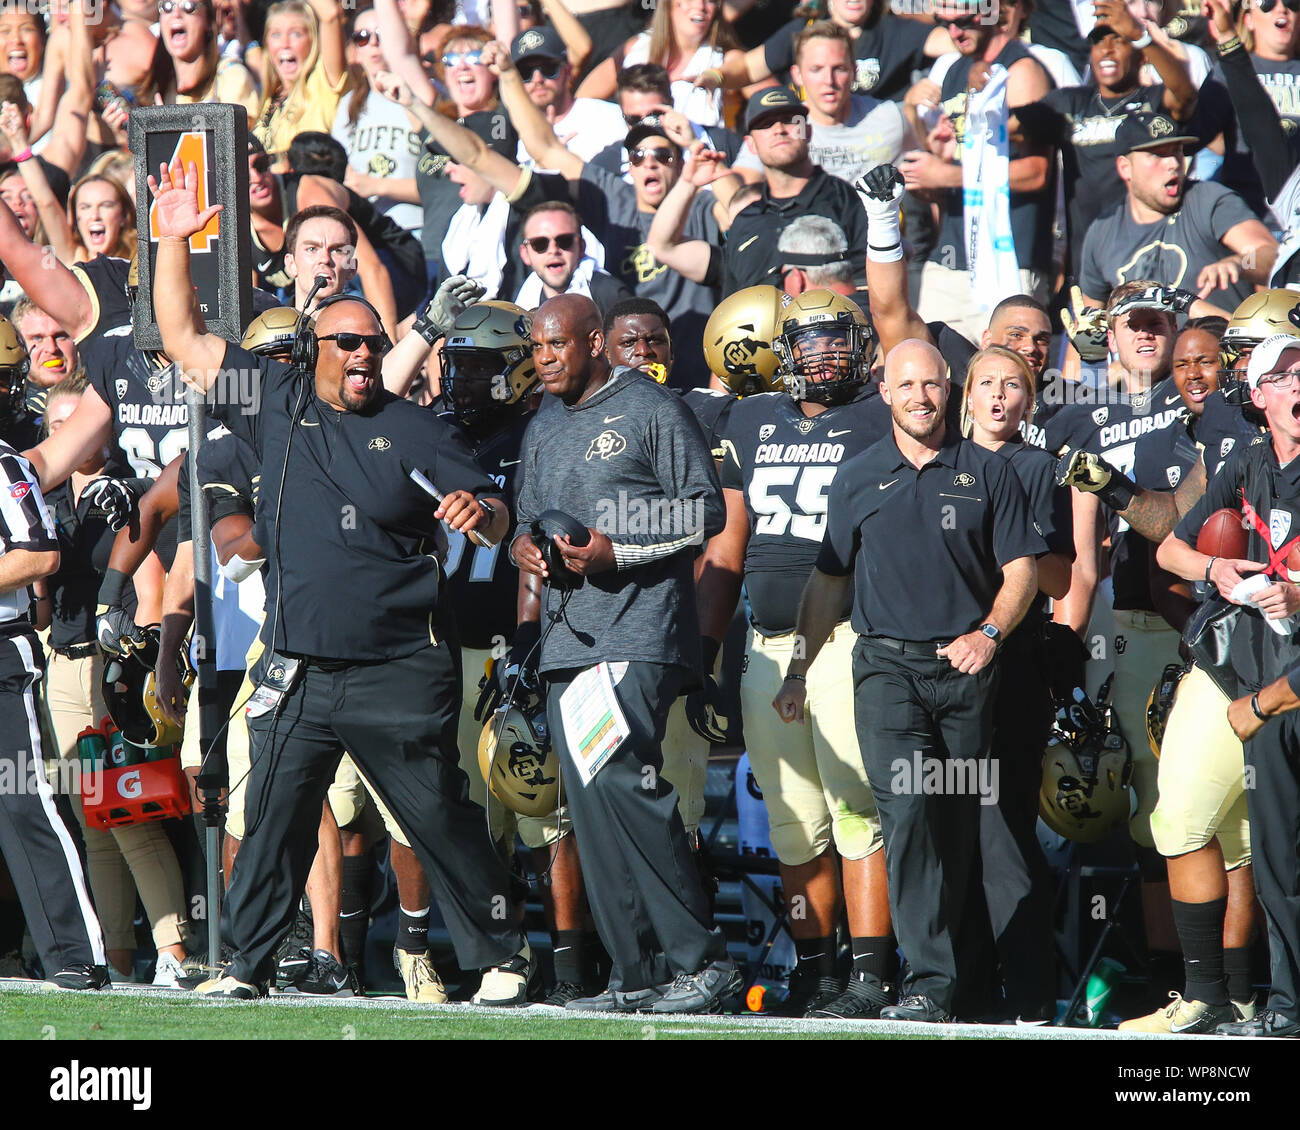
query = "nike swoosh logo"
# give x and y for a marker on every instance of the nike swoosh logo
(884, 486)
(746, 244)
(844, 432)
(1173, 399)
(510, 462)
(310, 423)
(608, 420)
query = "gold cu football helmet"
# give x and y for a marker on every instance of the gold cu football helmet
(738, 340)
(1261, 315)
(1161, 702)
(517, 761)
(824, 344)
(13, 372)
(130, 691)
(1085, 791)
(488, 357)
(272, 333)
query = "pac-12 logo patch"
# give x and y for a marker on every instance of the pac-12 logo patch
(965, 479)
(1173, 474)
(379, 443)
(765, 432)
(608, 444)
(1225, 447)
(1279, 525)
(20, 490)
(1100, 416)
(121, 386)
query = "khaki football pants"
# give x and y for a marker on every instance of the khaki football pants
(1202, 793)
(119, 861)
(1143, 645)
(812, 776)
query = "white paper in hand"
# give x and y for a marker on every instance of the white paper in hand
(1255, 583)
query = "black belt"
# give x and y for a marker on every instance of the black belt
(907, 647)
(77, 651)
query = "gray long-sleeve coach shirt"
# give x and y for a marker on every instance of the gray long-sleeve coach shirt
(631, 462)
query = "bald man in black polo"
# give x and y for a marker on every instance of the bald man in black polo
(936, 536)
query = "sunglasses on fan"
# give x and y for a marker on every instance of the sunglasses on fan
(542, 243)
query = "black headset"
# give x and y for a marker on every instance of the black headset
(543, 529)
(306, 346)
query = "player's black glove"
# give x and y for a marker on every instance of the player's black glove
(518, 666)
(113, 623)
(703, 705)
(117, 498)
(1168, 299)
(880, 190)
(1086, 472)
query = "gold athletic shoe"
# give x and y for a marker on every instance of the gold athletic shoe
(1182, 1017)
(421, 979)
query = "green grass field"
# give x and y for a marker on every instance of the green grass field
(117, 1015)
(30, 1012)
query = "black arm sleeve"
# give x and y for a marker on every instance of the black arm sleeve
(1261, 127)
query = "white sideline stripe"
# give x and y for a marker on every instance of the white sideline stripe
(88, 917)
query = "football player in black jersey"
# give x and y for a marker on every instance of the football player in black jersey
(781, 453)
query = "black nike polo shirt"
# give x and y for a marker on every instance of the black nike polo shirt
(353, 547)
(926, 547)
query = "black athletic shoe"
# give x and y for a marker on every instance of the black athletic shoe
(1269, 1022)
(916, 1007)
(80, 977)
(562, 994)
(611, 1000)
(703, 991)
(807, 994)
(862, 999)
(326, 976)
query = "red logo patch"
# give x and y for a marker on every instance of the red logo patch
(20, 490)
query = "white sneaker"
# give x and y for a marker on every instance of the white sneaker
(167, 972)
(506, 985)
(421, 979)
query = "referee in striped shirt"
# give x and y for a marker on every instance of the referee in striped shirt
(38, 847)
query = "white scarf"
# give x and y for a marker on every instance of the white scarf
(986, 195)
(531, 295)
(475, 243)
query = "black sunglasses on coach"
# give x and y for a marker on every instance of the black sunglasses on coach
(542, 243)
(1269, 5)
(549, 68)
(350, 342)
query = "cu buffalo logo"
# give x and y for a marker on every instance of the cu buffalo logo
(20, 490)
(524, 766)
(379, 443)
(965, 479)
(608, 444)
(738, 356)
(1294, 316)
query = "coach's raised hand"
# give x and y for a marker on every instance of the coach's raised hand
(176, 202)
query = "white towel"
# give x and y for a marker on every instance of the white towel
(986, 195)
(531, 295)
(475, 244)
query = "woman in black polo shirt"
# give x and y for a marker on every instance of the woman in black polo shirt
(998, 400)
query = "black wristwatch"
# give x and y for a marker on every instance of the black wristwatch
(993, 632)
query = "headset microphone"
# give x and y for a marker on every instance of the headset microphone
(304, 352)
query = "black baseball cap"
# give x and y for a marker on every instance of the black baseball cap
(1099, 32)
(539, 43)
(772, 102)
(649, 126)
(1148, 130)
